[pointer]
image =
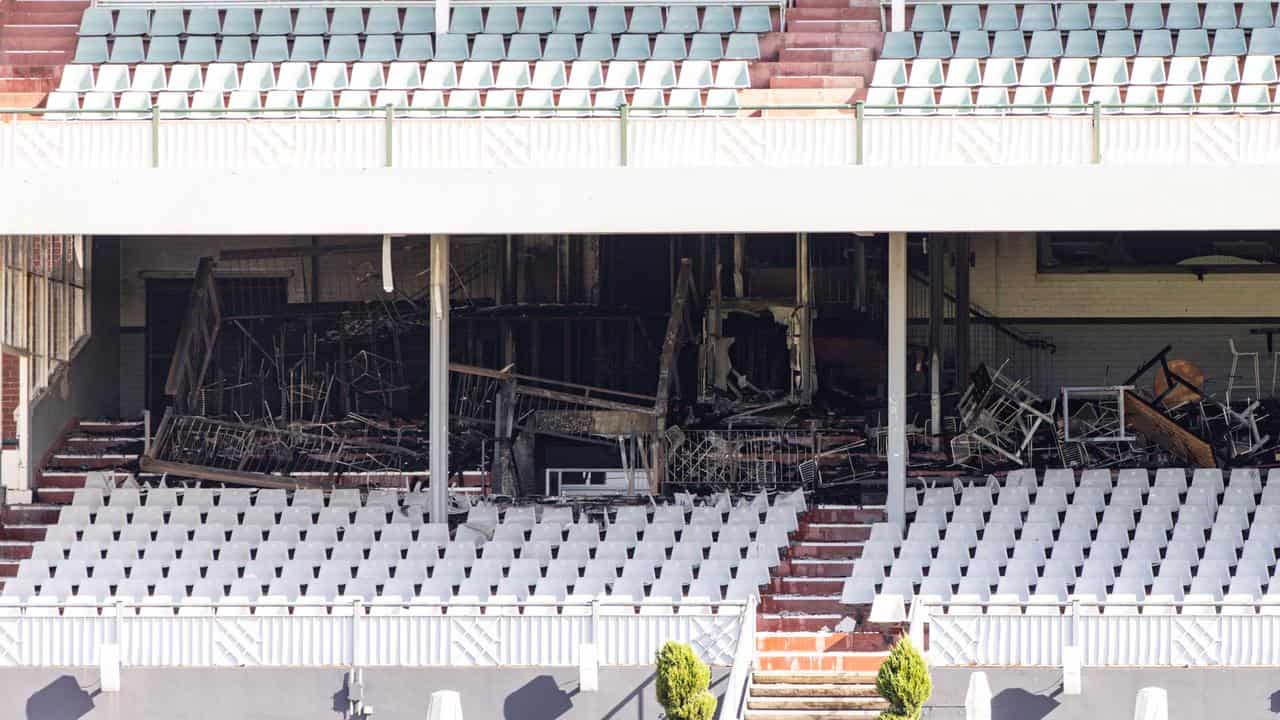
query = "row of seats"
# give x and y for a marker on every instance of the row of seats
(383, 605)
(387, 48)
(1037, 100)
(436, 75)
(1216, 70)
(1216, 15)
(391, 20)
(1079, 44)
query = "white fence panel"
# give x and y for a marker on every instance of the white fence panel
(414, 638)
(58, 144)
(505, 142)
(62, 641)
(552, 640)
(741, 142)
(920, 141)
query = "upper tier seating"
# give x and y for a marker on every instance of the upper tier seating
(211, 544)
(1038, 57)
(1118, 538)
(541, 59)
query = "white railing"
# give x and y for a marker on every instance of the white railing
(1200, 634)
(735, 691)
(834, 140)
(417, 633)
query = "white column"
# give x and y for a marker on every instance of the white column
(898, 15)
(897, 479)
(438, 416)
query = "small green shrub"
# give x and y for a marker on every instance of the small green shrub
(683, 680)
(904, 681)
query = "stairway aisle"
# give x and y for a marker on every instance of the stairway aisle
(37, 38)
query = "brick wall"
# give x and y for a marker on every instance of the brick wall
(8, 398)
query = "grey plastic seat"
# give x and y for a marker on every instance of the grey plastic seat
(1156, 43)
(1037, 16)
(1000, 16)
(1110, 16)
(682, 19)
(899, 46)
(1253, 15)
(668, 46)
(559, 47)
(274, 21)
(237, 21)
(1229, 42)
(268, 49)
(1219, 15)
(1117, 43)
(718, 19)
(419, 19)
(595, 46)
(742, 46)
(127, 50)
(383, 20)
(200, 21)
(1265, 41)
(379, 48)
(91, 50)
(347, 20)
(96, 22)
(646, 19)
(523, 47)
(132, 21)
(200, 50)
(306, 48)
(935, 45)
(755, 19)
(537, 19)
(466, 20)
(972, 44)
(1073, 16)
(706, 46)
(1146, 16)
(163, 50)
(487, 47)
(501, 19)
(343, 48)
(1048, 43)
(416, 48)
(1183, 16)
(927, 17)
(633, 47)
(964, 17)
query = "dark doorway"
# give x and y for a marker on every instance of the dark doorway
(167, 307)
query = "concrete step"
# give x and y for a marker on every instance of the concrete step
(817, 703)
(34, 514)
(28, 85)
(803, 14)
(832, 661)
(863, 57)
(777, 622)
(815, 81)
(38, 30)
(810, 586)
(808, 642)
(763, 677)
(824, 550)
(845, 514)
(130, 428)
(868, 36)
(828, 25)
(100, 444)
(14, 550)
(803, 4)
(22, 99)
(814, 690)
(48, 6)
(834, 531)
(55, 496)
(22, 533)
(61, 479)
(38, 42)
(86, 461)
(802, 604)
(8, 569)
(815, 568)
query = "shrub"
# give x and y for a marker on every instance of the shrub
(904, 681)
(683, 680)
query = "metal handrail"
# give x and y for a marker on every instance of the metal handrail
(461, 601)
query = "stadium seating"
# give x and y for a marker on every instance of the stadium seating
(163, 543)
(1038, 57)
(347, 61)
(1099, 536)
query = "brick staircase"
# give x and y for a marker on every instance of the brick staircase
(37, 38)
(786, 695)
(825, 56)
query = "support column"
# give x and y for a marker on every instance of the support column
(962, 312)
(937, 253)
(860, 274)
(897, 439)
(439, 379)
(803, 386)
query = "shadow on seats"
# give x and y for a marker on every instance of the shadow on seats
(539, 699)
(1018, 704)
(62, 699)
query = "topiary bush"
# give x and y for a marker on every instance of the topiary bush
(683, 680)
(904, 681)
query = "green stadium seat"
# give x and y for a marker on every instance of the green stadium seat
(269, 49)
(1037, 16)
(1119, 43)
(633, 47)
(201, 49)
(964, 17)
(466, 20)
(669, 46)
(1192, 43)
(681, 19)
(132, 21)
(560, 46)
(575, 19)
(451, 47)
(96, 22)
(1146, 16)
(706, 46)
(973, 44)
(1183, 16)
(379, 48)
(1156, 43)
(167, 22)
(1219, 15)
(609, 19)
(127, 50)
(418, 48)
(646, 19)
(306, 48)
(501, 19)
(237, 21)
(1110, 16)
(1048, 43)
(1229, 42)
(1265, 41)
(1008, 44)
(347, 20)
(1255, 15)
(163, 50)
(927, 17)
(343, 48)
(755, 19)
(539, 19)
(742, 46)
(524, 47)
(311, 21)
(899, 46)
(1000, 17)
(936, 45)
(596, 46)
(273, 21)
(718, 19)
(486, 47)
(384, 20)
(1073, 16)
(419, 20)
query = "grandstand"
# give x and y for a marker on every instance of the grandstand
(356, 351)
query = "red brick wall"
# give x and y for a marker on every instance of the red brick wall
(8, 397)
